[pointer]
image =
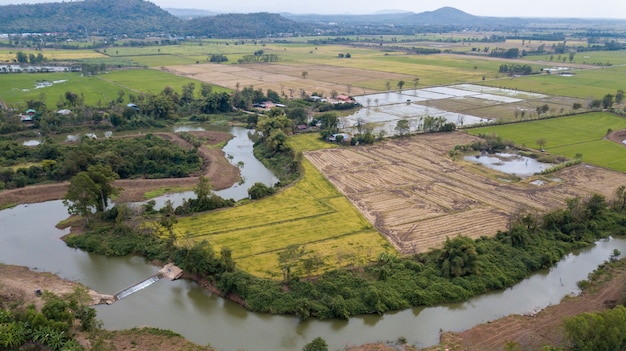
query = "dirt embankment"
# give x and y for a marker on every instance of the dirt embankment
(18, 286)
(215, 167)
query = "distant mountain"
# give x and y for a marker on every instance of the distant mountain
(444, 17)
(453, 16)
(252, 25)
(103, 16)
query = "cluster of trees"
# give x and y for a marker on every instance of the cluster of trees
(515, 69)
(512, 53)
(90, 190)
(21, 57)
(52, 328)
(148, 156)
(206, 199)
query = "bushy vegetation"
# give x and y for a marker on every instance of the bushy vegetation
(51, 328)
(599, 331)
(148, 156)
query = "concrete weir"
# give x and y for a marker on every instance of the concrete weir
(169, 271)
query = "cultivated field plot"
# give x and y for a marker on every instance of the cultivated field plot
(416, 196)
(462, 104)
(310, 213)
(283, 77)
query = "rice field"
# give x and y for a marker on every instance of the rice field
(310, 213)
(569, 136)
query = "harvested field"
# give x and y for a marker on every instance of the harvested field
(282, 77)
(416, 196)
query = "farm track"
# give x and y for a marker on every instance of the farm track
(417, 197)
(215, 166)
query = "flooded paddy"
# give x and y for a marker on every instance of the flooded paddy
(383, 110)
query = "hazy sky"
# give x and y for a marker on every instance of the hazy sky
(502, 8)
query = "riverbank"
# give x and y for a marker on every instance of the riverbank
(532, 331)
(221, 173)
(17, 284)
(17, 288)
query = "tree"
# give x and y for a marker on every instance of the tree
(259, 190)
(577, 106)
(82, 195)
(607, 101)
(168, 220)
(541, 142)
(402, 127)
(600, 331)
(205, 89)
(619, 96)
(305, 74)
(416, 81)
(317, 344)
(103, 177)
(21, 57)
(288, 260)
(400, 84)
(458, 257)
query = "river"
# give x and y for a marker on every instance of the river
(28, 238)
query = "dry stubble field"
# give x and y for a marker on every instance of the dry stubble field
(417, 196)
(282, 77)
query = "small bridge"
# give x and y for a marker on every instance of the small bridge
(169, 271)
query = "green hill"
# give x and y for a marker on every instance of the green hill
(92, 16)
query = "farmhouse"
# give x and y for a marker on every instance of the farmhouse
(345, 99)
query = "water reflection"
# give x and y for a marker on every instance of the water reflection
(508, 163)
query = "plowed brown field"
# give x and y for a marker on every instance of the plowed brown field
(417, 196)
(283, 77)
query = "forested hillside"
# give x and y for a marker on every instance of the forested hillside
(91, 16)
(252, 25)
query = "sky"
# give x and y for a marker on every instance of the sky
(499, 8)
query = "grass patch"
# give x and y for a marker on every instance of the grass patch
(309, 142)
(166, 190)
(569, 136)
(594, 83)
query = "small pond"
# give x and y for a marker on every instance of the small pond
(509, 163)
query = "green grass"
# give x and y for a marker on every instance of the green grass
(570, 135)
(150, 80)
(590, 83)
(311, 213)
(15, 89)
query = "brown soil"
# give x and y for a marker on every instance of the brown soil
(18, 285)
(618, 136)
(215, 167)
(417, 196)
